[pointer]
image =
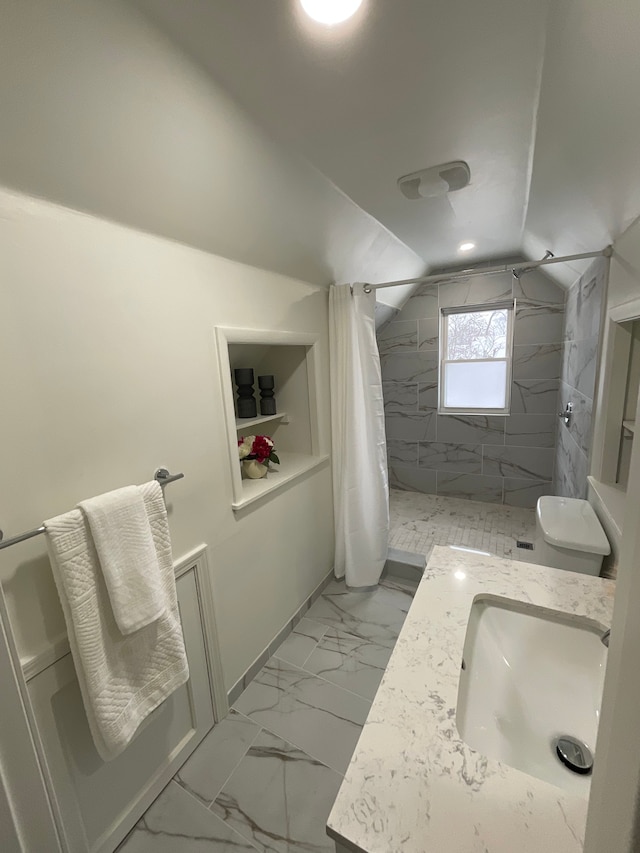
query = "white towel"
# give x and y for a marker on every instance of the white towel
(122, 536)
(122, 678)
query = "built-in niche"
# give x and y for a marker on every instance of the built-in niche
(617, 406)
(296, 429)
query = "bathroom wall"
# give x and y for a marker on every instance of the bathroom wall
(102, 113)
(107, 358)
(487, 458)
(580, 350)
(109, 369)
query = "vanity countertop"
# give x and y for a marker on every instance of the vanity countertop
(413, 785)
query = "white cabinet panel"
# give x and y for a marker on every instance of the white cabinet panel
(99, 802)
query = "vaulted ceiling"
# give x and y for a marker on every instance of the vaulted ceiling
(539, 98)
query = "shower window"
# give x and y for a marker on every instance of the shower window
(475, 359)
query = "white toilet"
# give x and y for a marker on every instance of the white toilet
(569, 536)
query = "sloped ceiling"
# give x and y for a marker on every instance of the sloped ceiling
(539, 100)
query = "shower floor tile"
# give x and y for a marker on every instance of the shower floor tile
(418, 522)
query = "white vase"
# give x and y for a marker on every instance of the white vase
(253, 469)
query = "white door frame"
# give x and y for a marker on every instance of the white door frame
(613, 821)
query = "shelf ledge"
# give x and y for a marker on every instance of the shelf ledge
(629, 426)
(244, 423)
(293, 465)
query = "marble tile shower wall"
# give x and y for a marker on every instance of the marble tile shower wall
(497, 459)
(581, 338)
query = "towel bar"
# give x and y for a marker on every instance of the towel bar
(162, 476)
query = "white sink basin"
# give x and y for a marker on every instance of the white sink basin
(530, 676)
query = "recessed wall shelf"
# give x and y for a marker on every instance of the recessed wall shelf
(243, 423)
(293, 358)
(292, 466)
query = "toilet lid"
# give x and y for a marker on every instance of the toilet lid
(571, 523)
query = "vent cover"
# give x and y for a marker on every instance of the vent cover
(435, 181)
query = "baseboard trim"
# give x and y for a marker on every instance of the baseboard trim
(245, 679)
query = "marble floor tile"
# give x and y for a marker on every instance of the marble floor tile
(301, 642)
(322, 719)
(279, 798)
(209, 767)
(177, 823)
(377, 615)
(357, 665)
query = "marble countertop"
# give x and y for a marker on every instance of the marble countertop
(413, 784)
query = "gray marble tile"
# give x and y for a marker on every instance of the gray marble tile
(580, 424)
(407, 426)
(570, 480)
(538, 325)
(422, 304)
(534, 397)
(428, 336)
(441, 456)
(525, 493)
(537, 361)
(428, 397)
(398, 337)
(410, 367)
(301, 641)
(535, 463)
(532, 430)
(412, 479)
(471, 429)
(377, 615)
(579, 365)
(402, 452)
(477, 290)
(473, 487)
(584, 303)
(279, 798)
(384, 314)
(209, 767)
(355, 664)
(400, 396)
(534, 289)
(318, 717)
(177, 823)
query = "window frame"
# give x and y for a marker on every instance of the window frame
(445, 313)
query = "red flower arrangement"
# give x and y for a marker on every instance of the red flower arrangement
(258, 447)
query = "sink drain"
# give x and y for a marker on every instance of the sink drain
(574, 754)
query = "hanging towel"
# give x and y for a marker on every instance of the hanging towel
(122, 537)
(123, 678)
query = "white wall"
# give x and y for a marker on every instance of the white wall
(108, 369)
(585, 184)
(107, 358)
(613, 821)
(101, 113)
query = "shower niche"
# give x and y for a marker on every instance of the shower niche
(296, 427)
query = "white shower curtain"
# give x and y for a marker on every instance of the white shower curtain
(360, 479)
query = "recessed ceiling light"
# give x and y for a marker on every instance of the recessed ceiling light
(330, 11)
(466, 247)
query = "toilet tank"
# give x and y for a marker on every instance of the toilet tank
(569, 535)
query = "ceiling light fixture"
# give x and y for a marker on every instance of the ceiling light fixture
(466, 247)
(330, 12)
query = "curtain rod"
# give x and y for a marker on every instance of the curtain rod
(524, 265)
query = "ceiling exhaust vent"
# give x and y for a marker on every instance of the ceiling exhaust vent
(436, 181)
